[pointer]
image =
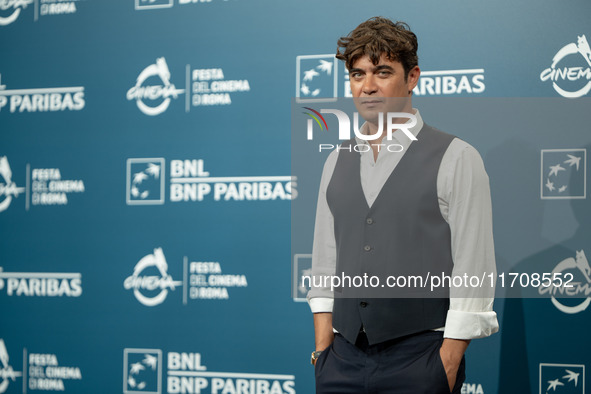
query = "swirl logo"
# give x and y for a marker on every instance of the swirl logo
(151, 290)
(572, 296)
(8, 189)
(14, 7)
(7, 374)
(566, 79)
(154, 99)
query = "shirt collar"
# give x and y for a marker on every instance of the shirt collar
(398, 137)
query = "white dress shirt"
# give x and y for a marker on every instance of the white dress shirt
(464, 200)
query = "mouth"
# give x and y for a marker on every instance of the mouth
(370, 102)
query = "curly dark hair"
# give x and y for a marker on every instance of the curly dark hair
(377, 36)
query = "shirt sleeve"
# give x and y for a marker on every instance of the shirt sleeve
(464, 199)
(324, 255)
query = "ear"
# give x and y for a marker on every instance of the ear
(413, 78)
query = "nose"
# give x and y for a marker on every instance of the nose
(369, 85)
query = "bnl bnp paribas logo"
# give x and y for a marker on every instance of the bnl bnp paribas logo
(562, 378)
(143, 371)
(190, 182)
(563, 174)
(154, 90)
(570, 71)
(10, 10)
(450, 82)
(58, 99)
(41, 284)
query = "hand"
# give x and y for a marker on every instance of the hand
(451, 353)
(314, 363)
(321, 349)
(323, 332)
(451, 368)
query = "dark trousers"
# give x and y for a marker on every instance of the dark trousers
(408, 365)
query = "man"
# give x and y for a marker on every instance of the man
(387, 210)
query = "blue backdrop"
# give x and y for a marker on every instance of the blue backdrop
(146, 185)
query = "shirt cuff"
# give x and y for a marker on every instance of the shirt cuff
(470, 325)
(321, 305)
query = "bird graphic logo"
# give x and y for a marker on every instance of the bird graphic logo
(145, 181)
(152, 171)
(142, 370)
(309, 75)
(316, 77)
(562, 379)
(563, 173)
(137, 368)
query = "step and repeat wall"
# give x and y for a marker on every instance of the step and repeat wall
(146, 185)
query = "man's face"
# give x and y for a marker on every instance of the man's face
(381, 87)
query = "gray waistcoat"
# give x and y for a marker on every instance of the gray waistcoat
(403, 233)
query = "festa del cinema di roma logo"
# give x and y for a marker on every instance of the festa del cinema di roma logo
(154, 99)
(154, 91)
(570, 75)
(150, 289)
